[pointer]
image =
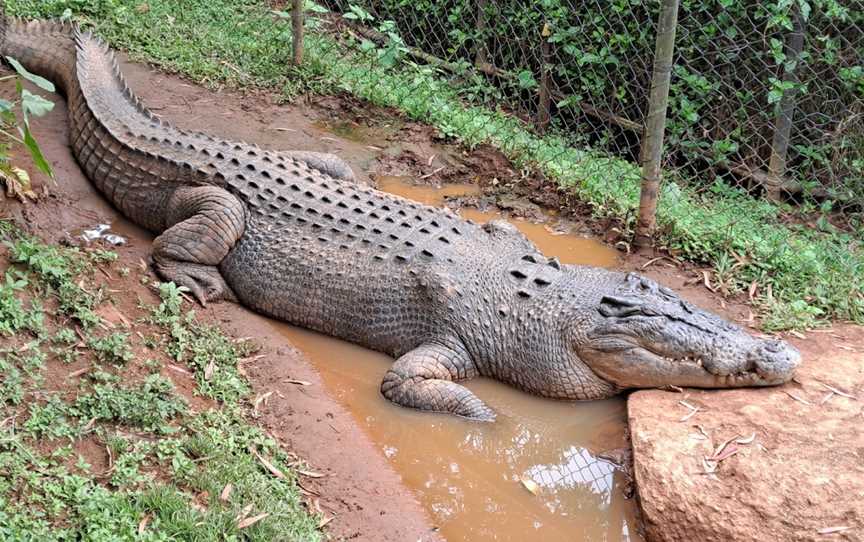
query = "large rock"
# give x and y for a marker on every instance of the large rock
(802, 476)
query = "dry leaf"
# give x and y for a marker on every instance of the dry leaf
(688, 416)
(727, 452)
(530, 485)
(268, 465)
(252, 521)
(226, 492)
(311, 474)
(799, 399)
(702, 430)
(832, 530)
(209, 369)
(298, 382)
(245, 512)
(841, 393)
(142, 525)
(721, 447)
(747, 440)
(325, 521)
(261, 399)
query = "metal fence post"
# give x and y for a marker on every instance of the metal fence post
(543, 98)
(655, 122)
(297, 30)
(774, 182)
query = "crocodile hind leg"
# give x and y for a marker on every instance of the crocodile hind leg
(204, 223)
(424, 379)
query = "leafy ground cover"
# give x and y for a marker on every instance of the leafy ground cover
(127, 422)
(797, 275)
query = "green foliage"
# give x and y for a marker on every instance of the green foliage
(13, 315)
(112, 348)
(728, 76)
(30, 105)
(149, 406)
(213, 356)
(56, 268)
(162, 455)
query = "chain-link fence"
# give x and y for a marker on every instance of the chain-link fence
(765, 95)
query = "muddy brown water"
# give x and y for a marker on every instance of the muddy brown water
(469, 476)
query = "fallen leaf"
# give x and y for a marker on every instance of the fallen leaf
(311, 474)
(688, 416)
(226, 492)
(79, 372)
(530, 485)
(268, 465)
(209, 369)
(832, 530)
(799, 399)
(751, 292)
(702, 430)
(261, 399)
(841, 393)
(747, 440)
(252, 521)
(142, 525)
(245, 512)
(297, 382)
(325, 521)
(721, 447)
(727, 452)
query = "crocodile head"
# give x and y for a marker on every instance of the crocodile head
(642, 335)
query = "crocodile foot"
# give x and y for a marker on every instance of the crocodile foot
(204, 282)
(424, 379)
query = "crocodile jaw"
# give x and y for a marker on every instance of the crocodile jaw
(637, 367)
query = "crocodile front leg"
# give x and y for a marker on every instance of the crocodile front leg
(424, 379)
(326, 163)
(203, 223)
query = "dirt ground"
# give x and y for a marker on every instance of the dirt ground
(359, 487)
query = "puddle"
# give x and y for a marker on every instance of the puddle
(467, 475)
(567, 247)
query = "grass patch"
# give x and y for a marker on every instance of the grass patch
(167, 466)
(804, 276)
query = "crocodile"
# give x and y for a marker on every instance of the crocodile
(294, 236)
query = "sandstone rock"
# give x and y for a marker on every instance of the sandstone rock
(801, 478)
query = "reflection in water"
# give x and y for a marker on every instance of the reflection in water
(468, 475)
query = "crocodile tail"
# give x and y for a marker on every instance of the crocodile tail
(46, 48)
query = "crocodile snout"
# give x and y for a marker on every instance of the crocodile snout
(775, 360)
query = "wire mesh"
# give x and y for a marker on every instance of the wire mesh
(582, 70)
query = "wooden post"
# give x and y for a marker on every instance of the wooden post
(543, 101)
(655, 122)
(774, 182)
(297, 30)
(481, 58)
